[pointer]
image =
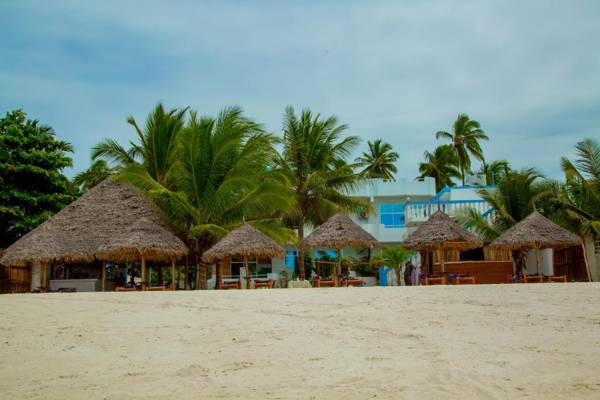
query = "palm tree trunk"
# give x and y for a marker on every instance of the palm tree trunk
(300, 258)
(218, 274)
(200, 274)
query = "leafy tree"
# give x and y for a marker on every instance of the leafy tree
(517, 195)
(575, 203)
(379, 161)
(33, 185)
(442, 165)
(156, 148)
(314, 162)
(494, 171)
(395, 257)
(219, 178)
(96, 173)
(465, 138)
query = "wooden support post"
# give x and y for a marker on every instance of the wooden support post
(103, 276)
(187, 271)
(143, 262)
(585, 260)
(537, 259)
(247, 272)
(441, 257)
(338, 268)
(173, 285)
(45, 277)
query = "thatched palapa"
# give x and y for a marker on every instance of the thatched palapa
(76, 232)
(441, 232)
(244, 241)
(536, 231)
(143, 238)
(337, 232)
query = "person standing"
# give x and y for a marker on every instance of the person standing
(408, 270)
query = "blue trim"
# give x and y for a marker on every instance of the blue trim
(425, 202)
(488, 212)
(450, 188)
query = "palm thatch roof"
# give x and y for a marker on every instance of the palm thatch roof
(536, 231)
(337, 232)
(244, 241)
(76, 232)
(441, 231)
(146, 238)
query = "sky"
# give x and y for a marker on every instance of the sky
(529, 72)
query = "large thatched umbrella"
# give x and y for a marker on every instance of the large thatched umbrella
(244, 241)
(144, 240)
(338, 232)
(538, 232)
(440, 232)
(75, 233)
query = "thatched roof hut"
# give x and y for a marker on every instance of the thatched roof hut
(244, 241)
(76, 232)
(441, 232)
(337, 232)
(144, 237)
(536, 231)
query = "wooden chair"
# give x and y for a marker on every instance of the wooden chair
(320, 282)
(435, 280)
(125, 289)
(263, 283)
(465, 279)
(353, 282)
(225, 285)
(557, 278)
(155, 288)
(533, 278)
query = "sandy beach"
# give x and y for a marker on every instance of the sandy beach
(468, 342)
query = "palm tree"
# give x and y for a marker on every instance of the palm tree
(314, 162)
(442, 165)
(577, 200)
(220, 177)
(395, 257)
(517, 195)
(379, 161)
(156, 146)
(465, 138)
(96, 173)
(494, 171)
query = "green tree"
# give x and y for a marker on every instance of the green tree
(96, 173)
(220, 177)
(156, 146)
(379, 161)
(575, 203)
(494, 171)
(442, 165)
(314, 162)
(395, 257)
(33, 185)
(465, 137)
(517, 195)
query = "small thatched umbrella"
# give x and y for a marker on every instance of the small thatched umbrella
(244, 241)
(441, 232)
(337, 232)
(144, 240)
(538, 232)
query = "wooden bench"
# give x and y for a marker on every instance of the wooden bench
(155, 288)
(434, 280)
(224, 285)
(125, 289)
(319, 282)
(353, 282)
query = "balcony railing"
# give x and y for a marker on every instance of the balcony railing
(419, 211)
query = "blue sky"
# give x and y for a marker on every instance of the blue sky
(400, 71)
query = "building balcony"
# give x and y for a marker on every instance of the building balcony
(416, 212)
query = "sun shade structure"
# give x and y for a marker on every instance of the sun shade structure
(338, 232)
(538, 232)
(106, 212)
(244, 241)
(441, 232)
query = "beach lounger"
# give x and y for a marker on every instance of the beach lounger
(352, 281)
(533, 278)
(155, 288)
(125, 289)
(465, 279)
(263, 283)
(435, 280)
(229, 284)
(557, 278)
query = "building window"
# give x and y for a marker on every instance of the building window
(392, 215)
(237, 264)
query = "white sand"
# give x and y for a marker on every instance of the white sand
(482, 342)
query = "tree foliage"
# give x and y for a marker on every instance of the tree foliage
(32, 185)
(442, 165)
(378, 161)
(96, 173)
